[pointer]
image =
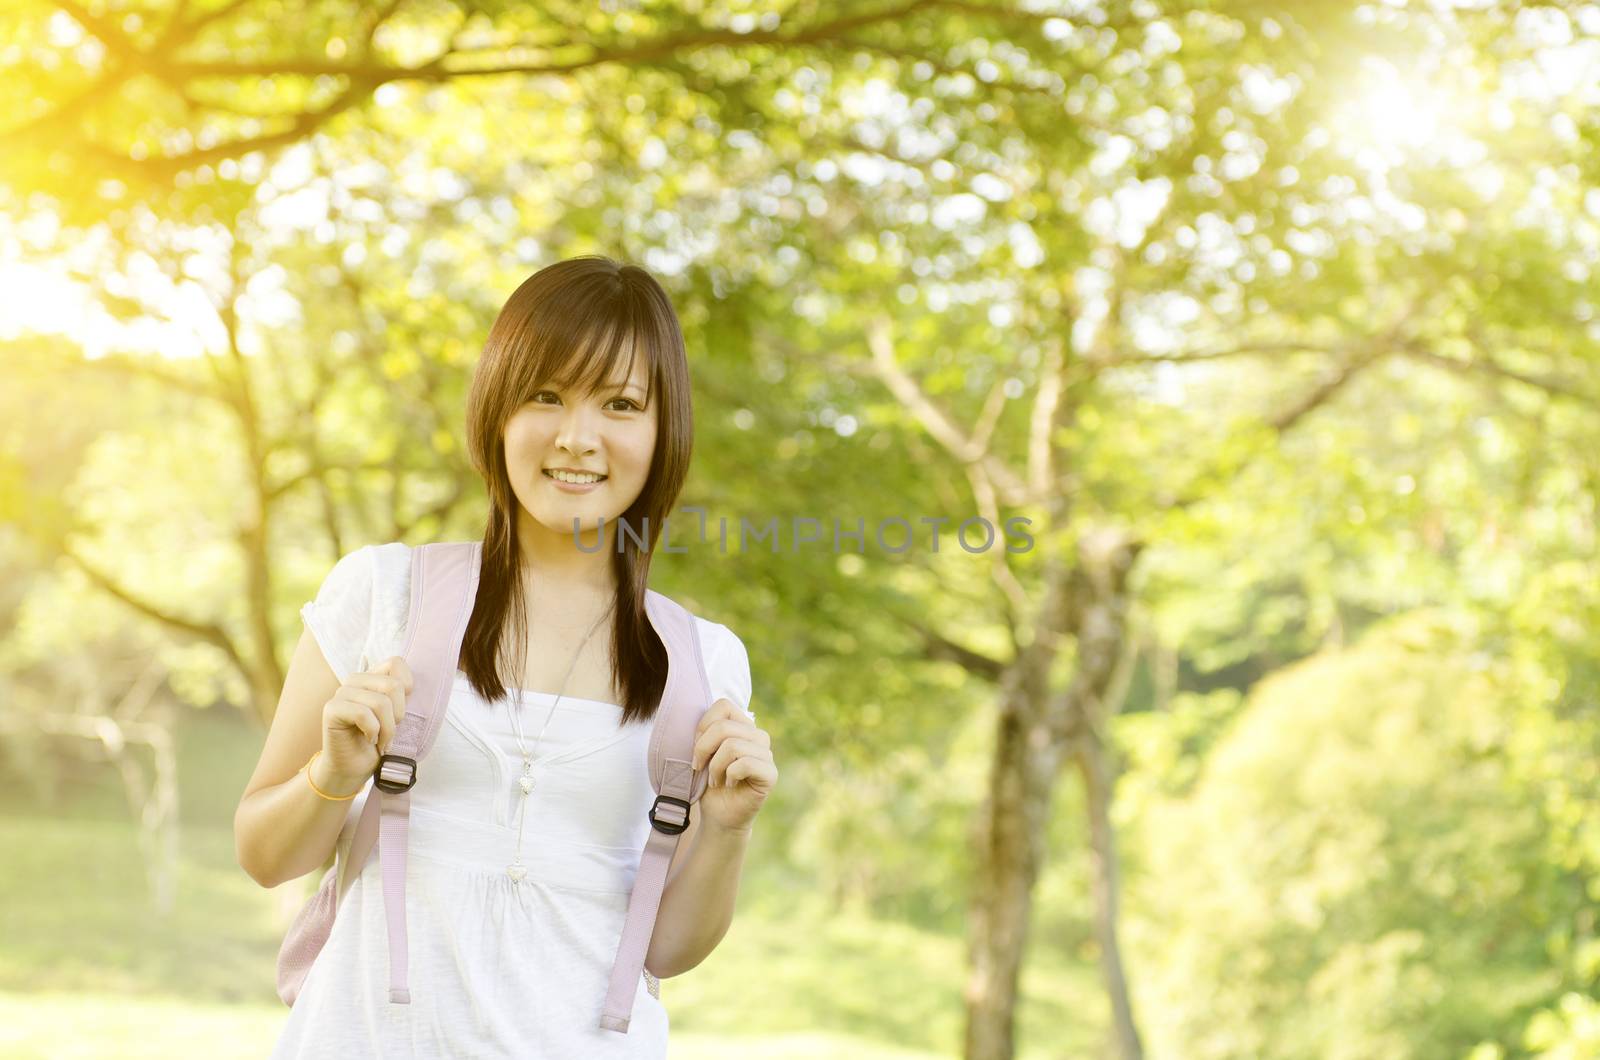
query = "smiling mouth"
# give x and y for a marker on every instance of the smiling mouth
(575, 482)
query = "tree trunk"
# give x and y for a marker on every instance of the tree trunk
(1035, 733)
(1097, 784)
(1098, 690)
(1009, 846)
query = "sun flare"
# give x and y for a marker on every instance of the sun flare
(1396, 112)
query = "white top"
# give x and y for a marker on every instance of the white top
(497, 967)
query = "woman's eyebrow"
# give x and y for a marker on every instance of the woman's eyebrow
(568, 384)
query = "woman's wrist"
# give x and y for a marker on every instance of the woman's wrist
(329, 783)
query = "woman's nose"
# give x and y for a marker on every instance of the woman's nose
(577, 433)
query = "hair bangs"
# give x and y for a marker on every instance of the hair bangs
(594, 348)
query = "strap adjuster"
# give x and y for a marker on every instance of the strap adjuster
(393, 784)
(669, 827)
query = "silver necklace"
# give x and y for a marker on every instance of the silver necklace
(517, 870)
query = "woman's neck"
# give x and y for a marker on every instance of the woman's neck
(555, 567)
(567, 596)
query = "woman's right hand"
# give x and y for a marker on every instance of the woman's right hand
(359, 722)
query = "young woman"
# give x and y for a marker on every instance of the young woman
(528, 815)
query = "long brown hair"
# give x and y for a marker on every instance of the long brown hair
(611, 311)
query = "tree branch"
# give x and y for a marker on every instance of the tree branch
(208, 632)
(1331, 384)
(1284, 421)
(1045, 403)
(141, 367)
(1485, 364)
(366, 77)
(933, 420)
(178, 32)
(1250, 349)
(939, 647)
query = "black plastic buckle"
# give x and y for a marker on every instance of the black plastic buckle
(394, 787)
(667, 826)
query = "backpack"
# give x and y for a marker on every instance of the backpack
(444, 586)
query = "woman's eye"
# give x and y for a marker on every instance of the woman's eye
(628, 403)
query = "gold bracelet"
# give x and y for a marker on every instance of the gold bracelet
(319, 791)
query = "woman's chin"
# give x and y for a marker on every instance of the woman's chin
(576, 522)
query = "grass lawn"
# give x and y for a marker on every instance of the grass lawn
(88, 969)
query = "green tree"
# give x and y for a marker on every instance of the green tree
(1126, 272)
(1357, 871)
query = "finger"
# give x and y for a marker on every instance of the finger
(385, 713)
(379, 679)
(391, 686)
(353, 714)
(382, 708)
(731, 751)
(763, 776)
(386, 671)
(366, 722)
(714, 713)
(727, 711)
(395, 666)
(403, 671)
(706, 744)
(727, 755)
(397, 699)
(738, 725)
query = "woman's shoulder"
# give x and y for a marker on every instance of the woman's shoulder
(727, 663)
(715, 638)
(391, 584)
(393, 556)
(715, 635)
(391, 590)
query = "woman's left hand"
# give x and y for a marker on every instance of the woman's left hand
(738, 756)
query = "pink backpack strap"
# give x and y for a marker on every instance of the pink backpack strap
(685, 698)
(444, 586)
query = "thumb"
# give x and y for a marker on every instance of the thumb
(388, 666)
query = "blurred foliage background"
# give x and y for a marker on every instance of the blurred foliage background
(1276, 320)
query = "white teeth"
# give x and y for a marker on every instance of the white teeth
(565, 476)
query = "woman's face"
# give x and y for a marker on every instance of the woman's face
(608, 431)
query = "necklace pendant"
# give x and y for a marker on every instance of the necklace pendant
(516, 872)
(525, 783)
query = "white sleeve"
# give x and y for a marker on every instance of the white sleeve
(340, 616)
(727, 665)
(391, 600)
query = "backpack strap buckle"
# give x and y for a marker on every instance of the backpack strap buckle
(395, 773)
(669, 827)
